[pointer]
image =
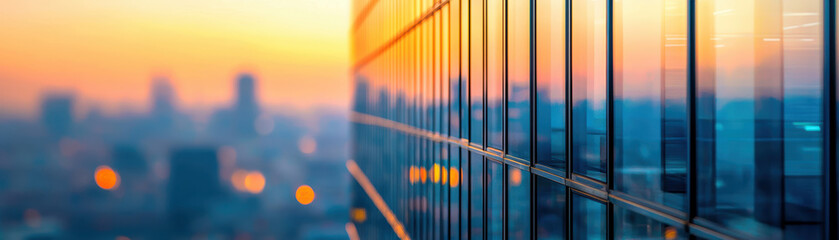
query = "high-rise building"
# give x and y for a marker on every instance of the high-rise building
(595, 119)
(57, 113)
(194, 185)
(164, 110)
(246, 91)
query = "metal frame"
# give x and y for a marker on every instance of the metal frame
(577, 184)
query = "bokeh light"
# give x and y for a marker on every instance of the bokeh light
(254, 182)
(307, 145)
(106, 178)
(436, 173)
(358, 214)
(413, 174)
(305, 194)
(454, 175)
(670, 233)
(515, 177)
(423, 174)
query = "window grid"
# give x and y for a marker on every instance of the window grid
(369, 125)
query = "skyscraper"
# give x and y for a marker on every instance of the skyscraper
(57, 113)
(194, 185)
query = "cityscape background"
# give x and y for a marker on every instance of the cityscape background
(174, 120)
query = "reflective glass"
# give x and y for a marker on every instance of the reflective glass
(495, 73)
(759, 124)
(465, 64)
(455, 75)
(589, 217)
(550, 84)
(476, 71)
(518, 205)
(631, 225)
(454, 192)
(588, 70)
(650, 117)
(495, 200)
(465, 195)
(518, 78)
(551, 210)
(476, 174)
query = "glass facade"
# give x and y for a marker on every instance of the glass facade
(595, 119)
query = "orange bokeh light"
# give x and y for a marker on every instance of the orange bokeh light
(423, 174)
(515, 177)
(305, 195)
(412, 174)
(358, 214)
(436, 173)
(445, 175)
(106, 178)
(454, 176)
(670, 233)
(254, 182)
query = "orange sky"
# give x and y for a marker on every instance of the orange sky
(108, 51)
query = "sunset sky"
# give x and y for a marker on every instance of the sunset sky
(107, 52)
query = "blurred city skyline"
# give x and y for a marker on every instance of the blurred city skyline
(108, 54)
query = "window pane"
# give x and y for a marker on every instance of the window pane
(631, 225)
(589, 218)
(518, 205)
(759, 117)
(476, 70)
(495, 74)
(551, 210)
(454, 192)
(650, 105)
(550, 83)
(476, 173)
(464, 68)
(588, 41)
(518, 78)
(455, 75)
(465, 195)
(495, 200)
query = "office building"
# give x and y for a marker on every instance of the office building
(594, 119)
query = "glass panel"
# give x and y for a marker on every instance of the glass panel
(588, 41)
(456, 77)
(550, 83)
(518, 78)
(551, 210)
(650, 131)
(465, 195)
(589, 217)
(495, 200)
(454, 192)
(759, 117)
(631, 225)
(495, 74)
(476, 173)
(464, 68)
(476, 71)
(518, 205)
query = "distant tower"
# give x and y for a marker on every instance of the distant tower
(57, 113)
(193, 185)
(163, 104)
(246, 91)
(163, 97)
(246, 108)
